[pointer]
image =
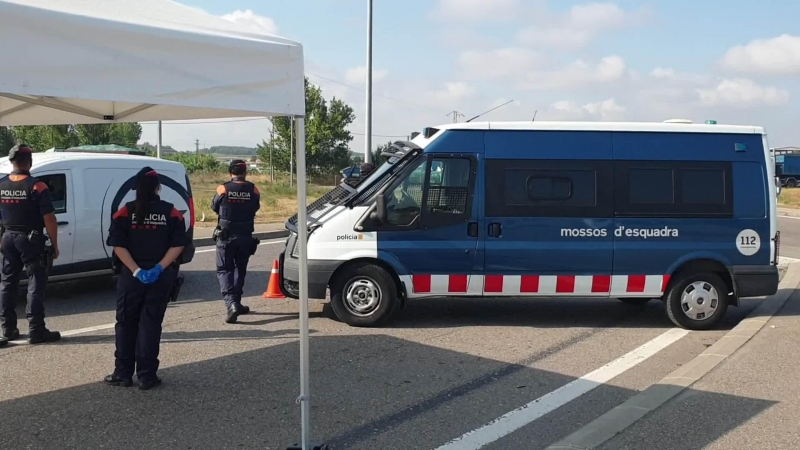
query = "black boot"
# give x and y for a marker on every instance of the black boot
(11, 335)
(233, 313)
(243, 309)
(147, 385)
(115, 380)
(43, 336)
(3, 341)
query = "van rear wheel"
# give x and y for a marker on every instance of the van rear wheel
(364, 295)
(697, 301)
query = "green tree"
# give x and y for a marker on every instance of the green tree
(45, 137)
(6, 140)
(327, 137)
(125, 134)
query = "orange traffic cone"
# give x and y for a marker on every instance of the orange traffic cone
(273, 290)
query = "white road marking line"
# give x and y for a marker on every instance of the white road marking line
(277, 241)
(520, 417)
(788, 217)
(74, 332)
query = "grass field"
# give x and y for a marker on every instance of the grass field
(278, 200)
(789, 198)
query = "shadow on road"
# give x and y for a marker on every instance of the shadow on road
(369, 392)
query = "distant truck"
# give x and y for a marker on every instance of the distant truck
(787, 166)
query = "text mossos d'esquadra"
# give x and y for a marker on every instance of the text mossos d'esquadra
(621, 231)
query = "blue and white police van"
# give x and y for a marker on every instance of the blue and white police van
(681, 212)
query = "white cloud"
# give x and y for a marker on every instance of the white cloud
(569, 110)
(577, 74)
(498, 63)
(776, 56)
(671, 75)
(453, 91)
(577, 27)
(252, 21)
(742, 92)
(475, 10)
(358, 75)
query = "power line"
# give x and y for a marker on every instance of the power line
(376, 95)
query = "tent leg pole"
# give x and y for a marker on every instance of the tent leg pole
(302, 236)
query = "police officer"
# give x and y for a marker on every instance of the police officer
(236, 203)
(148, 235)
(26, 210)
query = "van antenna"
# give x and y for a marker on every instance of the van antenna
(534, 116)
(504, 104)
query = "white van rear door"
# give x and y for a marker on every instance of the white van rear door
(60, 183)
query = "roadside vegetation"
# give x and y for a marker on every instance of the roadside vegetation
(789, 198)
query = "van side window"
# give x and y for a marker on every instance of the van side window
(548, 188)
(403, 203)
(57, 185)
(448, 186)
(673, 189)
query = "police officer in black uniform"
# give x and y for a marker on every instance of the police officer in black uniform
(148, 235)
(26, 210)
(236, 203)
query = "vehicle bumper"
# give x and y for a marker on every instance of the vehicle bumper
(319, 274)
(755, 281)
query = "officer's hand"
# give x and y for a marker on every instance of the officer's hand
(156, 271)
(143, 276)
(55, 252)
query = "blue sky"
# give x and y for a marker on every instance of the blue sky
(732, 61)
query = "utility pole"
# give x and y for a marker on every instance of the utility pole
(455, 115)
(158, 148)
(368, 131)
(197, 146)
(291, 153)
(271, 146)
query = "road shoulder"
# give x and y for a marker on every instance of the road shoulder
(617, 420)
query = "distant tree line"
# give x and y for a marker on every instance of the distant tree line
(45, 137)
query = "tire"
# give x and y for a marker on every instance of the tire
(707, 301)
(635, 301)
(791, 183)
(364, 295)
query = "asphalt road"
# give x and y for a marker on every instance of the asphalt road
(443, 370)
(790, 236)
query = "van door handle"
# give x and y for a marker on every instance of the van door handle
(63, 223)
(472, 229)
(495, 229)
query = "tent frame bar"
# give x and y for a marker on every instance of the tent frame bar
(60, 105)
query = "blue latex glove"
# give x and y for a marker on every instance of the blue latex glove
(156, 272)
(143, 276)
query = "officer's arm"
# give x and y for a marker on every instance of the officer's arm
(257, 198)
(218, 198)
(118, 238)
(177, 240)
(47, 211)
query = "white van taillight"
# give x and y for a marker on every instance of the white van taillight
(191, 212)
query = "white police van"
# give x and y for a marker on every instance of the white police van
(681, 212)
(87, 189)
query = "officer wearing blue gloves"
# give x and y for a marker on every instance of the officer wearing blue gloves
(148, 235)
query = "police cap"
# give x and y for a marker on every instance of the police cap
(237, 164)
(21, 149)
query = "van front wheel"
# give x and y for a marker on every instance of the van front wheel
(364, 295)
(697, 302)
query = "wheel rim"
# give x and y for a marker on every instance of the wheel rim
(362, 296)
(699, 300)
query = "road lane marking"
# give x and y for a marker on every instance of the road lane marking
(788, 217)
(520, 417)
(76, 332)
(276, 241)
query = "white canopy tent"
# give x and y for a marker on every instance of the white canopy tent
(103, 61)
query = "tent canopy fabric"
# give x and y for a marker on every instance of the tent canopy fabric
(103, 61)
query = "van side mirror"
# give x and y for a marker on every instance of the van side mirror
(380, 213)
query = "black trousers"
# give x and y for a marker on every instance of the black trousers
(233, 255)
(18, 254)
(140, 314)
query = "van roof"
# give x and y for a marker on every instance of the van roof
(108, 160)
(664, 127)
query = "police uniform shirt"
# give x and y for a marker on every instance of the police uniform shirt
(24, 201)
(237, 202)
(148, 241)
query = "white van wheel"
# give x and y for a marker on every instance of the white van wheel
(364, 295)
(697, 302)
